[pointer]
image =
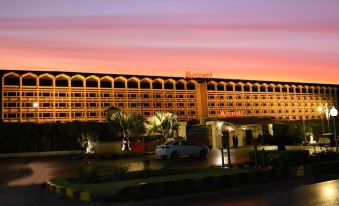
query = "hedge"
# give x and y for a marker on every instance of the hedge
(277, 158)
(31, 137)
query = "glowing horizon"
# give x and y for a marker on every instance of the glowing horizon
(266, 40)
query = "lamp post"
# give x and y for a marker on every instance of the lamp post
(327, 114)
(334, 114)
(320, 109)
(219, 126)
(36, 105)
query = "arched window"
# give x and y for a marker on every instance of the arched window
(180, 85)
(169, 84)
(46, 80)
(29, 79)
(92, 81)
(12, 79)
(229, 87)
(190, 85)
(247, 88)
(157, 84)
(211, 86)
(145, 84)
(238, 88)
(133, 83)
(62, 80)
(77, 81)
(120, 83)
(106, 82)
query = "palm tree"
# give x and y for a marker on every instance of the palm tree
(130, 125)
(162, 123)
(110, 111)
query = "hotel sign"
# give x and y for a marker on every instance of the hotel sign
(191, 75)
(224, 114)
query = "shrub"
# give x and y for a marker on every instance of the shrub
(31, 137)
(276, 158)
(87, 175)
(120, 172)
(323, 156)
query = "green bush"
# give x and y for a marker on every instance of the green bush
(280, 159)
(120, 172)
(323, 156)
(31, 137)
(87, 175)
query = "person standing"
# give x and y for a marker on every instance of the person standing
(236, 141)
(233, 141)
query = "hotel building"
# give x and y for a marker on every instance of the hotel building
(245, 106)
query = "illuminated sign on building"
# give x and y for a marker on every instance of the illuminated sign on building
(224, 114)
(190, 75)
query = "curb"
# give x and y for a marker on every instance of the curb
(70, 192)
(174, 187)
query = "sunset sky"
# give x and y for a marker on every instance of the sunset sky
(282, 40)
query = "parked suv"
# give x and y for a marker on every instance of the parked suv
(179, 148)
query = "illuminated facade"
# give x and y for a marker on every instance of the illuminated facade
(85, 97)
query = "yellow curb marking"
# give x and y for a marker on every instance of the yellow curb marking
(58, 189)
(85, 196)
(69, 193)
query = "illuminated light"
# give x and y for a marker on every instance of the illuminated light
(334, 112)
(35, 104)
(329, 191)
(220, 124)
(320, 109)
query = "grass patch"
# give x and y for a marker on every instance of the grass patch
(110, 187)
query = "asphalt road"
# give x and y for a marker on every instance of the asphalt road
(321, 191)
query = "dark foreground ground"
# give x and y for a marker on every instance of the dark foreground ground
(299, 192)
(21, 179)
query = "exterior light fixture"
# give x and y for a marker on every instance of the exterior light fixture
(334, 114)
(36, 105)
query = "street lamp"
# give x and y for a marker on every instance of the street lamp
(327, 114)
(219, 129)
(320, 109)
(36, 105)
(334, 114)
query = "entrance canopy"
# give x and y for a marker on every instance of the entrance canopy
(245, 120)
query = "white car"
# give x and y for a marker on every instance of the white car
(181, 148)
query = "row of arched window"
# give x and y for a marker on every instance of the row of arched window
(256, 87)
(92, 81)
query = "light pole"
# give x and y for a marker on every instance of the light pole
(219, 128)
(320, 109)
(327, 114)
(36, 105)
(334, 114)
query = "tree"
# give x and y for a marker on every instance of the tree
(288, 134)
(129, 125)
(162, 123)
(110, 111)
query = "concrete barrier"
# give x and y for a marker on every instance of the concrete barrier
(107, 147)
